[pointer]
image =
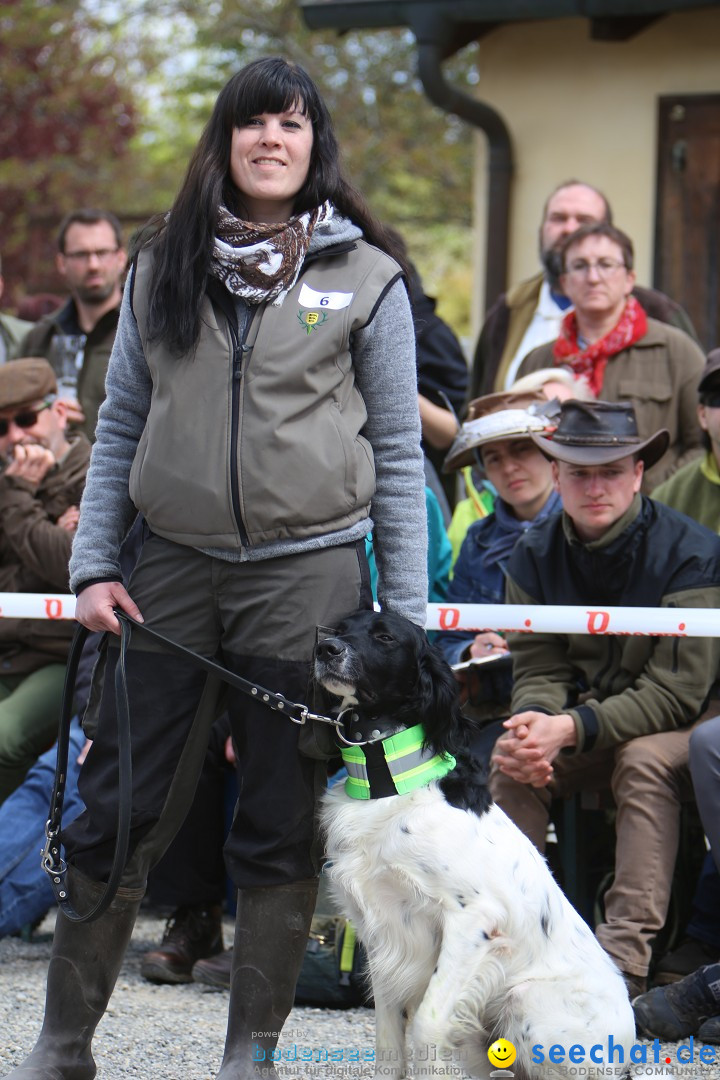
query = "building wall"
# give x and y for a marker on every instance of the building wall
(582, 108)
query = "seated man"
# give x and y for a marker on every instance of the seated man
(595, 711)
(618, 352)
(40, 491)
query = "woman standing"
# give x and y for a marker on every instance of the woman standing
(261, 394)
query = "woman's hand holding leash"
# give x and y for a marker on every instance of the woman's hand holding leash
(94, 608)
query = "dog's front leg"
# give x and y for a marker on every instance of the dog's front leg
(390, 1051)
(469, 976)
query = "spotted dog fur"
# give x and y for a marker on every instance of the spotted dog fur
(468, 937)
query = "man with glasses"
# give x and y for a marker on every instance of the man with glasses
(91, 258)
(530, 313)
(618, 352)
(40, 489)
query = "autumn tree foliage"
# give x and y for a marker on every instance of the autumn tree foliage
(65, 122)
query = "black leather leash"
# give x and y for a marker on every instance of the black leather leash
(53, 864)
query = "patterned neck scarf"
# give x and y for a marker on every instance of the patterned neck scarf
(589, 363)
(261, 262)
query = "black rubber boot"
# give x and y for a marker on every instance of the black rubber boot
(271, 932)
(85, 961)
(680, 1009)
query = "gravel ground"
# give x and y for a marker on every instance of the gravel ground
(177, 1032)
(161, 1032)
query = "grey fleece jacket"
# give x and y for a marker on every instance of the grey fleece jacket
(384, 362)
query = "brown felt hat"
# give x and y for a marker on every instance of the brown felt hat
(24, 381)
(508, 415)
(599, 432)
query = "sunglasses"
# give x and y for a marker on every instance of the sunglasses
(25, 419)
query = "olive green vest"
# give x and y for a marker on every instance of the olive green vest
(262, 442)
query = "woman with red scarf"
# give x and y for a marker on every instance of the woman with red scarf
(620, 354)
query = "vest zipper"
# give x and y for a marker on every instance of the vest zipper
(239, 350)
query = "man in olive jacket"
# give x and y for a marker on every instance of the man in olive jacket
(40, 488)
(91, 259)
(592, 711)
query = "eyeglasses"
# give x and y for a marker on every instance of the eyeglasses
(103, 255)
(26, 419)
(605, 267)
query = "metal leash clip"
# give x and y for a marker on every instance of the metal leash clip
(52, 862)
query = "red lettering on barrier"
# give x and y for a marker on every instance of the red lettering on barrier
(449, 618)
(53, 608)
(595, 628)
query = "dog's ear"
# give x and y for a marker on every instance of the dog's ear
(438, 701)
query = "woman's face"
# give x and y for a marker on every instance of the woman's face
(596, 278)
(269, 162)
(520, 474)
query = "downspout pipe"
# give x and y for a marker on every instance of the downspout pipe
(500, 157)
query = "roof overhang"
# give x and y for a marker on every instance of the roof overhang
(469, 20)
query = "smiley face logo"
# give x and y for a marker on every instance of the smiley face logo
(502, 1053)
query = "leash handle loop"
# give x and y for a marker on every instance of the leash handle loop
(52, 862)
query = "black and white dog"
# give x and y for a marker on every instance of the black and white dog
(469, 939)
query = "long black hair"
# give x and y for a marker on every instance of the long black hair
(184, 243)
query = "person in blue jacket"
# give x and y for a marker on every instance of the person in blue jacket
(497, 440)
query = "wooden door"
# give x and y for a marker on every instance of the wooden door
(687, 237)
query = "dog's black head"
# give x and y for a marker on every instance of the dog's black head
(385, 664)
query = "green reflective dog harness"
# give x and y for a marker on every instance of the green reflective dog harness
(409, 764)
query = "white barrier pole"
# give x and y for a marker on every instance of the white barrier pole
(529, 619)
(36, 606)
(670, 622)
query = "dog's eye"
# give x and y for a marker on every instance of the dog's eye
(387, 638)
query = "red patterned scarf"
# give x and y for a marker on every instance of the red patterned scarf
(590, 363)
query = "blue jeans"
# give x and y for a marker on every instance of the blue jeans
(25, 893)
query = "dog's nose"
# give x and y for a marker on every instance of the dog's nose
(329, 648)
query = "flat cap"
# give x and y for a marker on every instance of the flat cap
(26, 380)
(711, 373)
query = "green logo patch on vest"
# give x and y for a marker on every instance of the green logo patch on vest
(312, 319)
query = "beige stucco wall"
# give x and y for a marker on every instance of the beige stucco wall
(577, 107)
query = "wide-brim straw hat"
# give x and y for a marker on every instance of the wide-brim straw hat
(599, 432)
(493, 417)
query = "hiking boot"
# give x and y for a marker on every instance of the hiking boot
(690, 955)
(709, 1031)
(635, 984)
(215, 971)
(675, 1011)
(191, 934)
